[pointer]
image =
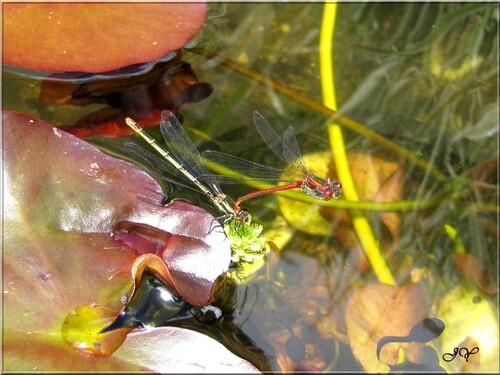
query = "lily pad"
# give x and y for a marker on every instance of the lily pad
(63, 200)
(186, 351)
(95, 37)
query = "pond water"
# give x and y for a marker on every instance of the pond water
(417, 87)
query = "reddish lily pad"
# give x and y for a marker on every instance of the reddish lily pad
(95, 37)
(63, 198)
(150, 348)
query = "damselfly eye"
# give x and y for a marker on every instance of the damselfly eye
(327, 193)
(333, 191)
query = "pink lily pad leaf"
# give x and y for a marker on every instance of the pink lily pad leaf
(61, 183)
(62, 201)
(196, 291)
(174, 350)
(91, 37)
(377, 311)
(140, 238)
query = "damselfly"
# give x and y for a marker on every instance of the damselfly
(247, 243)
(286, 148)
(187, 161)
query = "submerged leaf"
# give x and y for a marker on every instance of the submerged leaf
(476, 271)
(170, 84)
(303, 216)
(380, 310)
(375, 179)
(391, 190)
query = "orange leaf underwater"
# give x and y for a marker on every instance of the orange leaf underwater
(141, 92)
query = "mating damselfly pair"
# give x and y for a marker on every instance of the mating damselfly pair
(186, 160)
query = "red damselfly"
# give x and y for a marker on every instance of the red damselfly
(287, 149)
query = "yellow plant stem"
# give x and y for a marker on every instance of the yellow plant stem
(360, 223)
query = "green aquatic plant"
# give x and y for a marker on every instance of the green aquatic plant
(246, 241)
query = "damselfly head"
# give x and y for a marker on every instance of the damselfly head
(331, 189)
(318, 188)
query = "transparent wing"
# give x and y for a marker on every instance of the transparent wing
(253, 171)
(155, 163)
(285, 147)
(291, 150)
(269, 135)
(183, 149)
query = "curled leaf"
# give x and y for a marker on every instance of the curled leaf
(154, 264)
(153, 304)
